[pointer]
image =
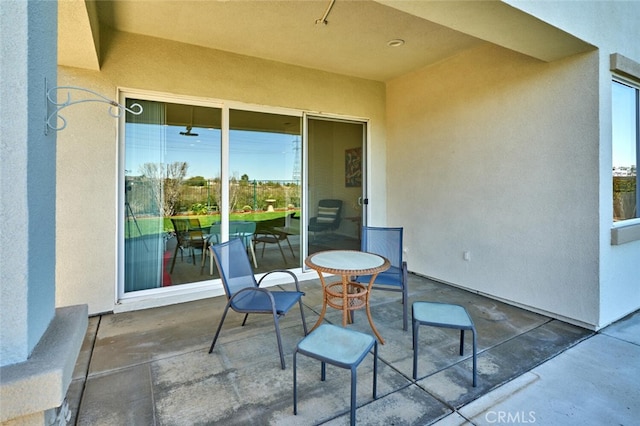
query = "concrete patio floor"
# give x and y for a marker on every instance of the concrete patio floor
(152, 367)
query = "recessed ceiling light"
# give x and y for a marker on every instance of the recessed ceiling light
(396, 42)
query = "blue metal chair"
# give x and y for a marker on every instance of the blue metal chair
(387, 242)
(244, 294)
(341, 347)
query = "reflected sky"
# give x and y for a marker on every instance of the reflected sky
(260, 155)
(624, 119)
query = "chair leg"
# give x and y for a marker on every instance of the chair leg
(295, 383)
(416, 324)
(173, 262)
(253, 254)
(281, 252)
(290, 248)
(304, 322)
(405, 303)
(205, 250)
(475, 361)
(461, 342)
(211, 261)
(353, 396)
(275, 321)
(224, 314)
(375, 369)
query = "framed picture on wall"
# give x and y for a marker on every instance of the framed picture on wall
(353, 168)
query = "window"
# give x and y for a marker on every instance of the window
(625, 151)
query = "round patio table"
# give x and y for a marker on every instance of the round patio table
(345, 294)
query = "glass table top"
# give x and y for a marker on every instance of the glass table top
(346, 260)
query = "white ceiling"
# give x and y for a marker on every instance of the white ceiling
(353, 42)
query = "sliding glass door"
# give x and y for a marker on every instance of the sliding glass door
(196, 175)
(265, 187)
(171, 173)
(335, 183)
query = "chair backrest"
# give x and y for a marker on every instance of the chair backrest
(194, 224)
(187, 230)
(242, 227)
(386, 242)
(329, 212)
(215, 233)
(234, 266)
(181, 227)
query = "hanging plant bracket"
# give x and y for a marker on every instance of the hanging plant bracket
(54, 107)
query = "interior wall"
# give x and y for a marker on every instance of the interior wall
(87, 156)
(496, 154)
(328, 142)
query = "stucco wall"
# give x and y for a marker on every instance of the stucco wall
(87, 154)
(27, 176)
(613, 27)
(496, 153)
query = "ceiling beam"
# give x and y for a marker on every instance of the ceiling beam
(78, 34)
(499, 23)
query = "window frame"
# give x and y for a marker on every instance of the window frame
(627, 230)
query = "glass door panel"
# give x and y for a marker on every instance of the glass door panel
(335, 183)
(172, 180)
(264, 187)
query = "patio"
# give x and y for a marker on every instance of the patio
(152, 367)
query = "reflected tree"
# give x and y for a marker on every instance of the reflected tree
(165, 182)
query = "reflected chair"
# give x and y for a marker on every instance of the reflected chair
(189, 237)
(244, 294)
(245, 230)
(387, 242)
(328, 217)
(266, 233)
(213, 237)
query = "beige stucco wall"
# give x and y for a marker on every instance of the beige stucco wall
(496, 153)
(87, 156)
(613, 27)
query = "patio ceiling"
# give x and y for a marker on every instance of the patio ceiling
(353, 42)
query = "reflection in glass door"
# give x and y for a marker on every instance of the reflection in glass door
(171, 192)
(335, 183)
(264, 187)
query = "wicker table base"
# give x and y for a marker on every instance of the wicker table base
(356, 295)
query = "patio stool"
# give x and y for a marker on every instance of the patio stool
(341, 347)
(442, 315)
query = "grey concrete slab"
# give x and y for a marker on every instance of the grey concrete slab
(407, 406)
(122, 397)
(627, 329)
(594, 382)
(498, 364)
(153, 366)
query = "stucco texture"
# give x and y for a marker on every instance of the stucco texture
(493, 153)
